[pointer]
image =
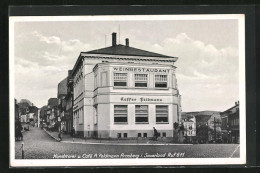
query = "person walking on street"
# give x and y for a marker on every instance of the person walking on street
(72, 133)
(155, 134)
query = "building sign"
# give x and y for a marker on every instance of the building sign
(141, 99)
(141, 70)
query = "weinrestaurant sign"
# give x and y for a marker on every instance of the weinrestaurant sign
(141, 70)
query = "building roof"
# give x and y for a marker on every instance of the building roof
(186, 116)
(202, 118)
(62, 87)
(53, 102)
(42, 110)
(33, 109)
(23, 105)
(126, 50)
(227, 111)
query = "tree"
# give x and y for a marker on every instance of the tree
(202, 133)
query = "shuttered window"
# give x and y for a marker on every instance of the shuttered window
(141, 113)
(120, 113)
(162, 113)
(120, 79)
(160, 81)
(141, 80)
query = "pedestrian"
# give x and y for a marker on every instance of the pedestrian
(18, 133)
(72, 132)
(155, 134)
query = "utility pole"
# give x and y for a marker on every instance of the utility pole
(215, 132)
(119, 33)
(105, 40)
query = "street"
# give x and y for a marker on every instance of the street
(39, 145)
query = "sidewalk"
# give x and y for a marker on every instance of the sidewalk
(140, 141)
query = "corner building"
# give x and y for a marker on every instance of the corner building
(123, 92)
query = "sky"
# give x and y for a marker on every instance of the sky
(207, 51)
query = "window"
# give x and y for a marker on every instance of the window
(119, 135)
(141, 113)
(161, 113)
(164, 134)
(160, 81)
(125, 135)
(120, 79)
(120, 113)
(145, 135)
(139, 135)
(140, 80)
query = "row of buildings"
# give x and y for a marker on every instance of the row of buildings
(209, 126)
(122, 92)
(26, 113)
(58, 113)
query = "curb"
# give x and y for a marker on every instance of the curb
(58, 140)
(144, 144)
(94, 143)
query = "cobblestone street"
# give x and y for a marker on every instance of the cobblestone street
(39, 145)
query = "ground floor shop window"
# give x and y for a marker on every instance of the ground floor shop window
(141, 113)
(120, 113)
(161, 113)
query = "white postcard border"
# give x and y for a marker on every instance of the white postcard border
(141, 161)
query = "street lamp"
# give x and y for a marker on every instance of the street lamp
(59, 120)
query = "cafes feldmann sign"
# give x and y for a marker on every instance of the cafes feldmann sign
(141, 99)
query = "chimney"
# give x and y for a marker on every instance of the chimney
(113, 39)
(127, 42)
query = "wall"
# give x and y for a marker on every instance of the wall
(103, 120)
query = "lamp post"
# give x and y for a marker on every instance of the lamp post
(59, 120)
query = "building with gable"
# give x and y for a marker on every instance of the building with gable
(123, 92)
(230, 124)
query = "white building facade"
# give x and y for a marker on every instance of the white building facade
(189, 126)
(123, 92)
